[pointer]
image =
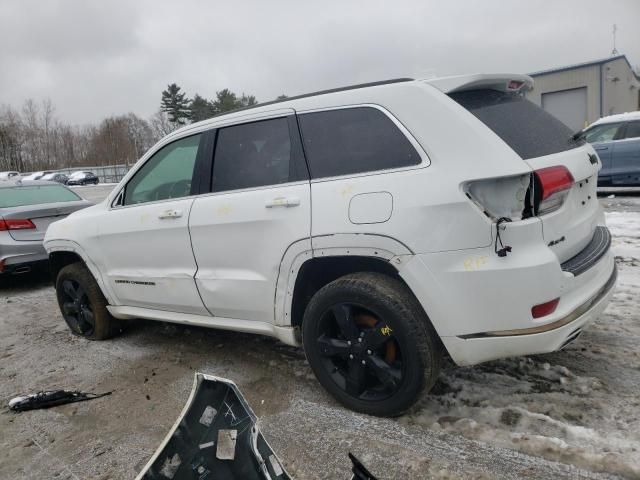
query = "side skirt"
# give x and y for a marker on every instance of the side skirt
(287, 335)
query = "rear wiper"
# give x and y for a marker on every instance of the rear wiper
(577, 138)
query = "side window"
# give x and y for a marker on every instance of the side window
(602, 133)
(254, 155)
(633, 130)
(167, 174)
(353, 140)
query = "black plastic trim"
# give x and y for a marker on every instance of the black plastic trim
(298, 170)
(201, 181)
(589, 256)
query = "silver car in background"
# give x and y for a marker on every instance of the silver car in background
(9, 175)
(26, 210)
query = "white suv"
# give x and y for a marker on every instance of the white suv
(379, 226)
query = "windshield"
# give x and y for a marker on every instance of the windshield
(35, 195)
(529, 130)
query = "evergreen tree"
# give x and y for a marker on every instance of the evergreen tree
(226, 101)
(247, 100)
(201, 108)
(175, 105)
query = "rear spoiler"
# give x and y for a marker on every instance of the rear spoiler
(499, 82)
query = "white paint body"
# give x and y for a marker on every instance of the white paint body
(230, 259)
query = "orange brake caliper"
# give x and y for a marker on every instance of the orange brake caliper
(370, 321)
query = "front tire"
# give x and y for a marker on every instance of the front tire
(370, 344)
(82, 304)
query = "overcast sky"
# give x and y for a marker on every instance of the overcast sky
(100, 58)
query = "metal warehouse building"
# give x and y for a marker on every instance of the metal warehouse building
(581, 94)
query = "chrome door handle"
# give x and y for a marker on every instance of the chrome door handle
(283, 202)
(170, 213)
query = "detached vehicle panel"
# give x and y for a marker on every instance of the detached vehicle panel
(378, 226)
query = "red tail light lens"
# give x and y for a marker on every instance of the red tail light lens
(13, 224)
(554, 184)
(544, 309)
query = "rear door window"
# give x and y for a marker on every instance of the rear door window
(529, 130)
(256, 154)
(633, 130)
(354, 140)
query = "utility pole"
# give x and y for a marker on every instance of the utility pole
(615, 50)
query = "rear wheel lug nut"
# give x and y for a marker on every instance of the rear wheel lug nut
(368, 352)
(360, 340)
(349, 342)
(363, 362)
(351, 356)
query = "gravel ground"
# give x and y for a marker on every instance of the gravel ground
(570, 414)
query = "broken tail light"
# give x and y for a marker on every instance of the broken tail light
(553, 185)
(13, 224)
(502, 197)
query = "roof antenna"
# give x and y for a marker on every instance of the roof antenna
(615, 50)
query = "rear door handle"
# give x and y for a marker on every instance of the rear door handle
(283, 202)
(602, 148)
(170, 213)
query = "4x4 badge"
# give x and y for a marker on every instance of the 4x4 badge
(593, 158)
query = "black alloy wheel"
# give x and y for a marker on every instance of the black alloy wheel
(360, 352)
(370, 343)
(76, 308)
(83, 306)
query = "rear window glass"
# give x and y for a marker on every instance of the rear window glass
(34, 195)
(526, 128)
(354, 140)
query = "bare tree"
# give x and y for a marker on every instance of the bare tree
(161, 126)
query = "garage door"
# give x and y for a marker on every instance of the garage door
(570, 106)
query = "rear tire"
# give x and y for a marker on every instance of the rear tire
(82, 304)
(370, 344)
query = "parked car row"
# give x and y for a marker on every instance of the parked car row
(76, 178)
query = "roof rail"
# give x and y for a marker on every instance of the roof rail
(320, 92)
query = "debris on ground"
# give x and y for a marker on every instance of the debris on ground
(51, 398)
